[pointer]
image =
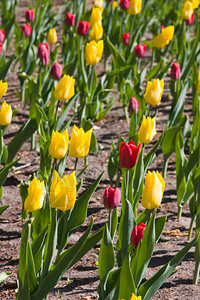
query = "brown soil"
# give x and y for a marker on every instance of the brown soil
(82, 280)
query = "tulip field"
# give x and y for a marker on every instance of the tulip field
(99, 149)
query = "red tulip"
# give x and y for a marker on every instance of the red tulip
(124, 4)
(2, 35)
(83, 27)
(29, 15)
(175, 71)
(1, 48)
(137, 234)
(43, 53)
(26, 30)
(56, 71)
(126, 38)
(128, 154)
(140, 50)
(191, 20)
(112, 198)
(70, 19)
(133, 105)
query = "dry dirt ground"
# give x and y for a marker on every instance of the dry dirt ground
(82, 280)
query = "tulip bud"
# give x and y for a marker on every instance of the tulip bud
(128, 154)
(65, 88)
(43, 53)
(175, 71)
(5, 114)
(187, 10)
(124, 4)
(2, 35)
(56, 71)
(63, 191)
(93, 52)
(52, 36)
(70, 19)
(135, 7)
(36, 194)
(133, 105)
(79, 144)
(59, 144)
(26, 30)
(126, 38)
(83, 27)
(140, 50)
(154, 91)
(190, 21)
(114, 4)
(1, 48)
(153, 190)
(96, 32)
(96, 16)
(98, 3)
(112, 198)
(137, 234)
(147, 130)
(29, 15)
(3, 88)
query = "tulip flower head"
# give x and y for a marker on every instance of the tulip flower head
(3, 88)
(175, 71)
(164, 37)
(195, 3)
(187, 10)
(70, 19)
(128, 154)
(43, 53)
(98, 3)
(126, 38)
(190, 21)
(153, 190)
(63, 191)
(65, 88)
(147, 130)
(124, 4)
(59, 144)
(2, 35)
(133, 105)
(140, 50)
(96, 32)
(5, 114)
(154, 91)
(137, 234)
(79, 144)
(135, 7)
(36, 194)
(83, 27)
(29, 15)
(198, 86)
(114, 4)
(112, 197)
(96, 16)
(52, 36)
(26, 30)
(93, 52)
(56, 71)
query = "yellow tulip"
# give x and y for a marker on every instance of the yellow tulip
(5, 114)
(96, 15)
(153, 190)
(187, 10)
(96, 32)
(93, 52)
(198, 86)
(135, 7)
(79, 144)
(133, 297)
(52, 36)
(36, 194)
(98, 3)
(147, 130)
(3, 88)
(154, 91)
(114, 4)
(164, 37)
(65, 88)
(195, 3)
(63, 191)
(59, 144)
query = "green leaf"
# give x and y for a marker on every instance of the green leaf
(149, 288)
(114, 222)
(32, 278)
(3, 208)
(4, 70)
(155, 70)
(159, 225)
(127, 285)
(5, 170)
(150, 157)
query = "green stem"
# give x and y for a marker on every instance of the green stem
(76, 166)
(196, 272)
(109, 220)
(191, 228)
(180, 210)
(52, 171)
(132, 25)
(153, 58)
(165, 165)
(33, 141)
(91, 81)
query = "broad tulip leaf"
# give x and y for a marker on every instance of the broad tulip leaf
(3, 208)
(149, 288)
(126, 285)
(32, 278)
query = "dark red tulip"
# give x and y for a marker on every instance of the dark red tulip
(112, 198)
(26, 30)
(137, 234)
(126, 38)
(70, 19)
(56, 71)
(29, 15)
(128, 154)
(140, 50)
(175, 71)
(124, 4)
(83, 27)
(133, 105)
